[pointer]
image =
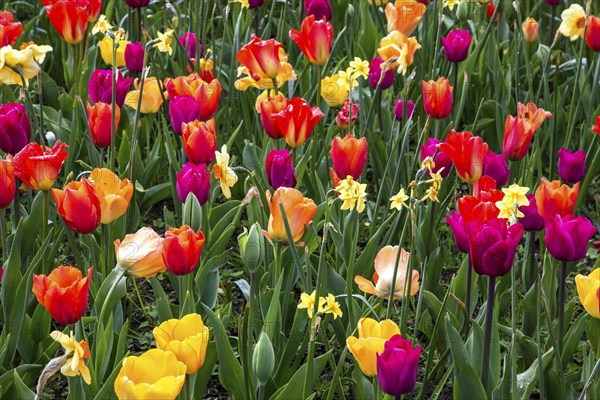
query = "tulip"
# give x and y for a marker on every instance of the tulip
(441, 160)
(9, 29)
(261, 57)
(199, 141)
(397, 366)
(375, 74)
(70, 18)
(552, 198)
(399, 109)
(518, 131)
(318, 8)
(495, 166)
(263, 359)
(137, 3)
(182, 248)
(114, 194)
(596, 128)
(152, 97)
(385, 263)
(134, 57)
(38, 167)
(343, 116)
(372, 336)
(8, 186)
(467, 153)
(456, 45)
(532, 221)
(188, 42)
(255, 3)
(397, 45)
(64, 293)
(280, 171)
(297, 121)
(481, 206)
(106, 46)
(404, 15)
(182, 109)
(299, 212)
(207, 94)
(457, 225)
(314, 39)
(592, 35)
(571, 165)
(437, 98)
(140, 253)
(530, 30)
(349, 156)
(156, 374)
(187, 338)
(79, 206)
(100, 87)
(193, 179)
(14, 128)
(100, 123)
(566, 237)
(335, 90)
(588, 289)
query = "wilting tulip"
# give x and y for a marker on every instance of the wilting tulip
(268, 107)
(107, 53)
(140, 253)
(8, 186)
(372, 336)
(137, 3)
(261, 57)
(566, 237)
(187, 338)
(70, 18)
(385, 264)
(199, 141)
(375, 72)
(182, 109)
(15, 129)
(38, 167)
(492, 245)
(481, 206)
(156, 374)
(297, 121)
(592, 35)
(588, 289)
(182, 248)
(552, 198)
(318, 8)
(530, 30)
(532, 221)
(64, 293)
(397, 366)
(467, 153)
(299, 212)
(152, 97)
(9, 29)
(495, 165)
(349, 155)
(457, 225)
(399, 109)
(441, 160)
(404, 15)
(571, 165)
(100, 87)
(193, 179)
(79, 206)
(280, 171)
(114, 194)
(100, 122)
(314, 39)
(397, 45)
(134, 57)
(437, 98)
(343, 117)
(188, 42)
(456, 45)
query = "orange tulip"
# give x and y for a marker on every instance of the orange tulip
(348, 156)
(404, 15)
(199, 141)
(140, 253)
(519, 130)
(114, 194)
(38, 167)
(299, 212)
(8, 186)
(64, 293)
(207, 94)
(78, 205)
(553, 199)
(314, 39)
(530, 30)
(398, 45)
(467, 153)
(182, 248)
(437, 98)
(100, 122)
(261, 57)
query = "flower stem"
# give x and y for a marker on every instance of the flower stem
(487, 335)
(561, 304)
(532, 260)
(4, 247)
(109, 295)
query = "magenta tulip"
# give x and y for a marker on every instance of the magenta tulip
(456, 45)
(318, 8)
(441, 160)
(280, 171)
(183, 109)
(457, 225)
(100, 87)
(532, 220)
(193, 179)
(567, 237)
(15, 129)
(375, 74)
(571, 165)
(399, 109)
(397, 366)
(495, 166)
(134, 57)
(137, 3)
(189, 42)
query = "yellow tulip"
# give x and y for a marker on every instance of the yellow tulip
(187, 338)
(372, 336)
(140, 253)
(334, 90)
(106, 51)
(114, 193)
(588, 289)
(152, 97)
(156, 374)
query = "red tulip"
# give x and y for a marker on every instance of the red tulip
(9, 29)
(8, 185)
(349, 156)
(269, 107)
(79, 206)
(199, 141)
(519, 130)
(297, 121)
(553, 199)
(181, 250)
(38, 167)
(480, 207)
(70, 17)
(592, 35)
(467, 153)
(437, 98)
(314, 39)
(100, 122)
(261, 57)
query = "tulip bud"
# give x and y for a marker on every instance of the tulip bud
(530, 30)
(263, 359)
(253, 248)
(192, 212)
(350, 10)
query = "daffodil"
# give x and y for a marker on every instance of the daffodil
(102, 26)
(352, 194)
(516, 195)
(427, 164)
(163, 42)
(573, 22)
(223, 172)
(332, 306)
(307, 301)
(360, 67)
(431, 194)
(38, 51)
(436, 178)
(244, 3)
(75, 352)
(399, 200)
(451, 4)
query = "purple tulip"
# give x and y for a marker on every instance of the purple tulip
(457, 225)
(134, 57)
(193, 179)
(571, 166)
(492, 245)
(399, 109)
(441, 160)
(566, 237)
(456, 45)
(397, 366)
(553, 2)
(280, 171)
(100, 87)
(532, 220)
(375, 74)
(188, 41)
(15, 130)
(495, 166)
(318, 8)
(255, 3)
(137, 3)
(183, 109)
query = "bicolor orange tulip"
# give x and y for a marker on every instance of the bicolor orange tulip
(70, 17)
(100, 122)
(371, 339)
(207, 94)
(152, 97)
(38, 167)
(404, 15)
(314, 39)
(182, 248)
(261, 57)
(299, 212)
(297, 121)
(467, 153)
(114, 194)
(398, 45)
(553, 199)
(140, 253)
(267, 108)
(437, 98)
(64, 293)
(199, 141)
(348, 156)
(519, 130)
(79, 206)
(8, 186)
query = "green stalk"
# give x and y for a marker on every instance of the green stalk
(532, 264)
(487, 335)
(561, 304)
(590, 380)
(350, 269)
(4, 247)
(572, 107)
(109, 295)
(277, 264)
(538, 312)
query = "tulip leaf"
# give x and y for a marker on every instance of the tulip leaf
(24, 392)
(272, 319)
(592, 330)
(162, 300)
(573, 336)
(118, 293)
(294, 387)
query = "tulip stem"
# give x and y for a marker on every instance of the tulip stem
(109, 295)
(468, 296)
(561, 304)
(532, 261)
(188, 388)
(3, 235)
(487, 335)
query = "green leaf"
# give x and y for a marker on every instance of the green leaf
(162, 301)
(296, 384)
(24, 392)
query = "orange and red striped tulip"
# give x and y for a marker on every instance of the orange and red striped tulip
(100, 122)
(297, 121)
(181, 250)
(553, 199)
(437, 98)
(467, 153)
(199, 141)
(314, 39)
(299, 212)
(519, 130)
(79, 206)
(261, 57)
(70, 17)
(349, 156)
(38, 167)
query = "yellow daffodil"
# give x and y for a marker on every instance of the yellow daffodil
(588, 289)
(515, 194)
(573, 22)
(76, 353)
(431, 194)
(399, 200)
(39, 51)
(451, 4)
(102, 26)
(163, 42)
(244, 3)
(436, 178)
(399, 47)
(427, 164)
(352, 194)
(13, 61)
(223, 172)
(332, 306)
(371, 339)
(360, 67)
(307, 301)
